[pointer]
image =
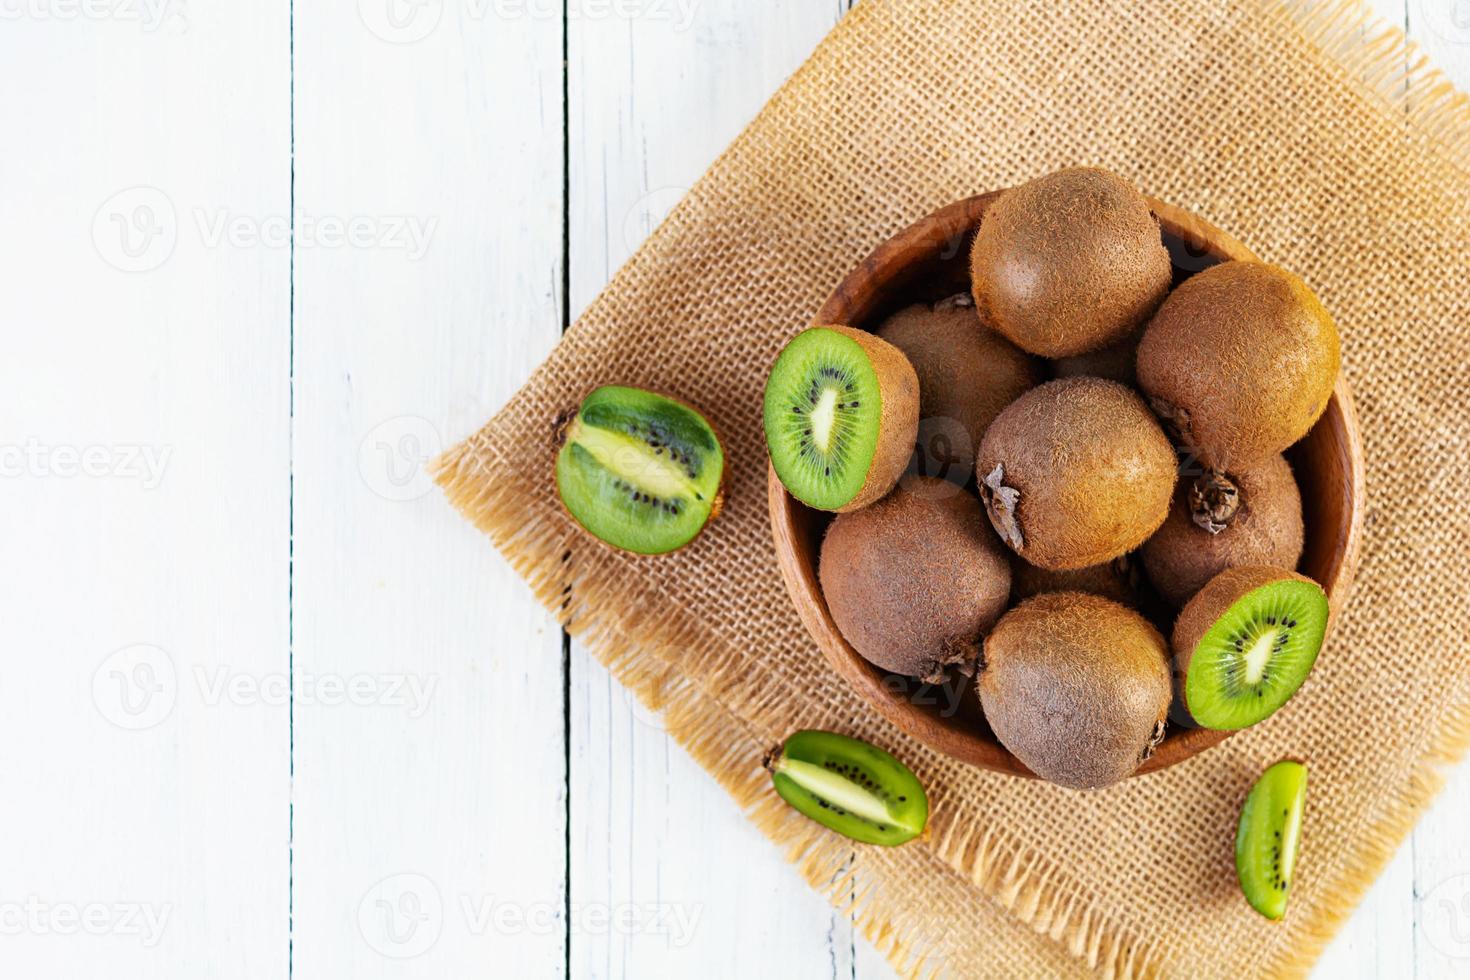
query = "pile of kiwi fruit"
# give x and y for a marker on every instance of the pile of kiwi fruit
(1105, 541)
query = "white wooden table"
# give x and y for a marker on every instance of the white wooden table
(268, 706)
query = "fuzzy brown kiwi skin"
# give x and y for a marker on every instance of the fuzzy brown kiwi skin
(1069, 263)
(913, 581)
(1076, 472)
(1210, 603)
(1116, 362)
(967, 372)
(1249, 516)
(564, 418)
(1240, 362)
(1077, 687)
(1116, 580)
(898, 426)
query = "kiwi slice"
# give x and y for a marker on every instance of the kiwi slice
(1246, 642)
(849, 786)
(640, 470)
(1269, 836)
(841, 416)
(1077, 687)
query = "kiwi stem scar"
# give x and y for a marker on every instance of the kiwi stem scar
(632, 460)
(834, 789)
(823, 416)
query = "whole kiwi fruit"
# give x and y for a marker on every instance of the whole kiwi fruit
(1077, 687)
(1247, 516)
(1069, 263)
(1116, 362)
(967, 375)
(1116, 580)
(1239, 362)
(913, 580)
(1076, 472)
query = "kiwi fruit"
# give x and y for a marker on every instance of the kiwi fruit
(1239, 362)
(849, 786)
(1069, 263)
(967, 375)
(1116, 580)
(1076, 472)
(1249, 516)
(914, 580)
(1077, 687)
(1269, 836)
(1245, 643)
(1116, 362)
(841, 415)
(639, 470)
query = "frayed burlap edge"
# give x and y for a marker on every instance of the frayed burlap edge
(708, 717)
(1374, 57)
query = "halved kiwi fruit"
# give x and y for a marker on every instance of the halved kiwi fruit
(1249, 516)
(1075, 473)
(849, 786)
(1077, 687)
(1269, 836)
(967, 375)
(1069, 263)
(914, 580)
(640, 470)
(1246, 642)
(1239, 362)
(841, 414)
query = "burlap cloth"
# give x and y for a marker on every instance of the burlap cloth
(1322, 143)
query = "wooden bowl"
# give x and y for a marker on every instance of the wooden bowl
(929, 261)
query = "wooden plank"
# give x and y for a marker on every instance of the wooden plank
(430, 821)
(1439, 946)
(654, 838)
(145, 492)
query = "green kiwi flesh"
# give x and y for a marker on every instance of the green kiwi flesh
(1269, 836)
(639, 470)
(840, 414)
(849, 786)
(1077, 687)
(1246, 642)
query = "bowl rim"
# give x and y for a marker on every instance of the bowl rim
(855, 299)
